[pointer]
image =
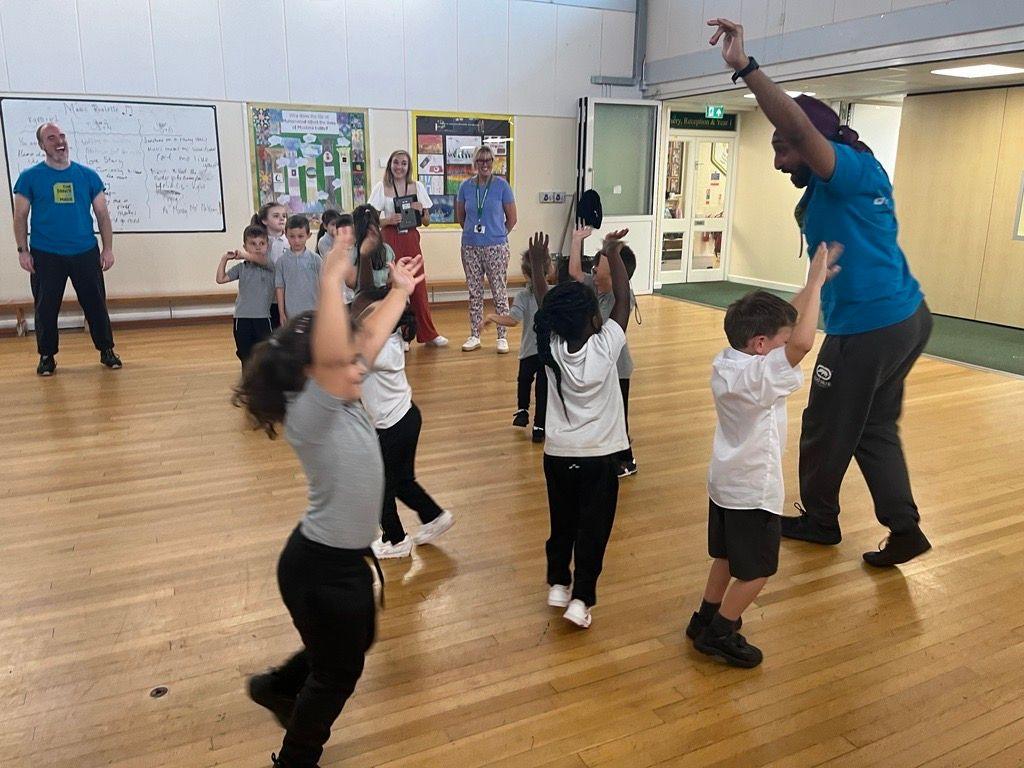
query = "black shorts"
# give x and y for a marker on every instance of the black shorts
(747, 538)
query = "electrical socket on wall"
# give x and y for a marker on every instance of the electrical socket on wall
(552, 196)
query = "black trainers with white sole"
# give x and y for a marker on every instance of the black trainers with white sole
(47, 365)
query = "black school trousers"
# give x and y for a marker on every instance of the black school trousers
(48, 282)
(532, 373)
(329, 594)
(855, 402)
(582, 496)
(398, 447)
(625, 456)
(249, 331)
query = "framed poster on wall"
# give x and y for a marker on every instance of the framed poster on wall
(442, 151)
(309, 159)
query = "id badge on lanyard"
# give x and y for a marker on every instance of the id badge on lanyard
(479, 228)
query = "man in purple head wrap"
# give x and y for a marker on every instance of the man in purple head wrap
(876, 320)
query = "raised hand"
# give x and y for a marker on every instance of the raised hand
(823, 265)
(732, 46)
(407, 273)
(538, 246)
(618, 234)
(582, 232)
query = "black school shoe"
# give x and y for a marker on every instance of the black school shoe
(538, 434)
(109, 359)
(521, 418)
(804, 528)
(899, 548)
(732, 648)
(627, 468)
(263, 690)
(698, 625)
(47, 365)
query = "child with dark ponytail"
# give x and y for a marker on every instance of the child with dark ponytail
(308, 378)
(585, 427)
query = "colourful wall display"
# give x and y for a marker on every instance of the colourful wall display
(442, 149)
(309, 158)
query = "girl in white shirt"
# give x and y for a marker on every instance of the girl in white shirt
(387, 398)
(585, 426)
(406, 241)
(273, 217)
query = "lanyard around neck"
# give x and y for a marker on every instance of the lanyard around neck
(480, 201)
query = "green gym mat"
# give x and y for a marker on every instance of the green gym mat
(966, 341)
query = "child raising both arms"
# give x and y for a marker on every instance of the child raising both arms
(750, 381)
(585, 427)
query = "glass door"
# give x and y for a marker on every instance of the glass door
(710, 205)
(675, 215)
(618, 141)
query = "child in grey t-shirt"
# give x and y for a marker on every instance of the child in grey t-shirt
(531, 369)
(255, 276)
(297, 274)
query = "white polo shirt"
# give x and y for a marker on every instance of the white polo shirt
(592, 422)
(750, 398)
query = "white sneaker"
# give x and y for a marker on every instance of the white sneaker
(502, 346)
(473, 342)
(385, 551)
(578, 614)
(438, 341)
(430, 531)
(559, 596)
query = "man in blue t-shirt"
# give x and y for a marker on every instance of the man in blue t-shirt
(61, 196)
(876, 320)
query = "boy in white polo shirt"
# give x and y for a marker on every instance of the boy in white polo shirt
(750, 381)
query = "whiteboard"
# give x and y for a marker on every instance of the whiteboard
(160, 162)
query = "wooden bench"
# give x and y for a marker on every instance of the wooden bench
(170, 302)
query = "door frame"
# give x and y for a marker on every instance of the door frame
(668, 134)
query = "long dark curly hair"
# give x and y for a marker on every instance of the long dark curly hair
(567, 311)
(365, 219)
(276, 368)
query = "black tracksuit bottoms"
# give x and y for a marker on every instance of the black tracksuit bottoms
(48, 283)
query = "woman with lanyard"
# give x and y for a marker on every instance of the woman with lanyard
(876, 320)
(400, 231)
(308, 376)
(486, 210)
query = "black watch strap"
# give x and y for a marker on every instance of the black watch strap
(751, 66)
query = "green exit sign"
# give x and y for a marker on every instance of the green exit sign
(714, 111)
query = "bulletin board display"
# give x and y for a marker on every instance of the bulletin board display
(309, 159)
(443, 144)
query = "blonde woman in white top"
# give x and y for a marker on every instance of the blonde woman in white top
(406, 242)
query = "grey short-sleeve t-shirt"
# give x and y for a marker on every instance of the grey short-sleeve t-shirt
(340, 454)
(605, 302)
(299, 275)
(255, 289)
(523, 309)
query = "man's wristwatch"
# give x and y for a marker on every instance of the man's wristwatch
(751, 66)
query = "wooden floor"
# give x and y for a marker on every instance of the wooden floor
(141, 525)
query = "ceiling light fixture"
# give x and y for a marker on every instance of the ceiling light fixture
(978, 70)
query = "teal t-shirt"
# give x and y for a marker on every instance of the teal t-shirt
(874, 289)
(61, 207)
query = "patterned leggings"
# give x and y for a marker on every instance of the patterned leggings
(491, 260)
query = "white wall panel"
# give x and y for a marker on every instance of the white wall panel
(200, 73)
(803, 14)
(617, 43)
(845, 11)
(374, 31)
(431, 63)
(5, 83)
(117, 47)
(255, 53)
(899, 5)
(531, 58)
(483, 55)
(317, 63)
(686, 26)
(578, 57)
(29, 71)
(753, 17)
(657, 29)
(776, 18)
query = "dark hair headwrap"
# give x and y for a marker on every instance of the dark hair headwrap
(825, 119)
